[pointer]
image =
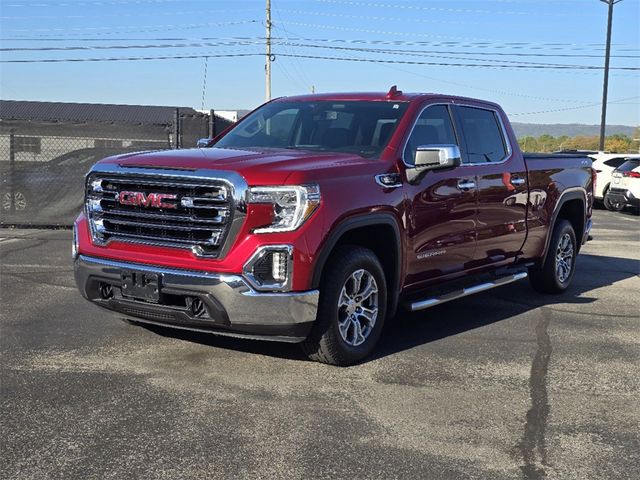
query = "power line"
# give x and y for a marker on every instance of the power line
(85, 3)
(121, 15)
(445, 44)
(258, 40)
(134, 47)
(591, 105)
(204, 80)
(477, 42)
(411, 62)
(118, 59)
(321, 57)
(425, 54)
(137, 28)
(297, 68)
(371, 17)
(457, 11)
(503, 54)
(450, 82)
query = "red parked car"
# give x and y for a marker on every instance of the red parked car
(315, 217)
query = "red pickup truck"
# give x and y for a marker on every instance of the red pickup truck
(316, 217)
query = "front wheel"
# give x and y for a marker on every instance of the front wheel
(351, 310)
(556, 272)
(15, 201)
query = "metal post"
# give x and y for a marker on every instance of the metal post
(176, 128)
(605, 86)
(12, 166)
(212, 123)
(267, 65)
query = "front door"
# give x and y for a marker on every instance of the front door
(441, 221)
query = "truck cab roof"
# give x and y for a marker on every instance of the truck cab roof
(391, 96)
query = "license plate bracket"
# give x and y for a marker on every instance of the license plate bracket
(141, 285)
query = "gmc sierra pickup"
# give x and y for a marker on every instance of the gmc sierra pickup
(316, 217)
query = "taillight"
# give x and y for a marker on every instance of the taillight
(631, 174)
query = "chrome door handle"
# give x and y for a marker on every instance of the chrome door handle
(517, 182)
(466, 185)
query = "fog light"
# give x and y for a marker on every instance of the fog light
(279, 266)
(270, 268)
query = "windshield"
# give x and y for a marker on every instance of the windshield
(359, 127)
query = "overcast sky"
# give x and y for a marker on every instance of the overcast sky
(375, 41)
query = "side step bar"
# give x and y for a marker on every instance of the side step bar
(498, 282)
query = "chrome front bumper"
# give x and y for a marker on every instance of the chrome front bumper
(232, 306)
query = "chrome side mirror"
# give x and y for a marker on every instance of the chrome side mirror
(432, 157)
(203, 142)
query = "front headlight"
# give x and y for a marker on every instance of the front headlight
(292, 205)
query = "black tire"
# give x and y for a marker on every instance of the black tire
(326, 343)
(599, 202)
(553, 277)
(614, 207)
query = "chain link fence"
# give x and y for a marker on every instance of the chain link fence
(43, 163)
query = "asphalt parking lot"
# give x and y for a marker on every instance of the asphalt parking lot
(506, 384)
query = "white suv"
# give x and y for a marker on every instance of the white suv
(604, 164)
(625, 186)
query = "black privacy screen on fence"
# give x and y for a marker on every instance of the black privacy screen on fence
(47, 148)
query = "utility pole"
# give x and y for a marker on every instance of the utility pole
(267, 65)
(605, 86)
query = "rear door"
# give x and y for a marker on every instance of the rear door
(441, 222)
(500, 182)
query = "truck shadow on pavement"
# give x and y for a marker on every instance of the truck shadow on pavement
(409, 330)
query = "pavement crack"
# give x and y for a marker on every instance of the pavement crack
(532, 445)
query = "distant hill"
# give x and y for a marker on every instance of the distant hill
(568, 129)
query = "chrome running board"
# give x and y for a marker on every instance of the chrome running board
(498, 282)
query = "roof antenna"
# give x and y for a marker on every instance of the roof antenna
(394, 92)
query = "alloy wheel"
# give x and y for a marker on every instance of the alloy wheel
(19, 201)
(564, 258)
(358, 307)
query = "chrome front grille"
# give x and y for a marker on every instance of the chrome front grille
(194, 212)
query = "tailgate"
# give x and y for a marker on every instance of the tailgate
(617, 180)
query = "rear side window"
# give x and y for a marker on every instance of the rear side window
(629, 165)
(615, 162)
(433, 127)
(483, 133)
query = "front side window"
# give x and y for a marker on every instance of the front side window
(483, 135)
(360, 127)
(433, 127)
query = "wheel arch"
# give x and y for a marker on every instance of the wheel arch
(571, 206)
(377, 231)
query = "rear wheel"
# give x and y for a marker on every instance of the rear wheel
(352, 308)
(555, 274)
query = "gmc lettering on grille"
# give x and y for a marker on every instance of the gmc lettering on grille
(141, 199)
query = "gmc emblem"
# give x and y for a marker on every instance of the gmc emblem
(141, 199)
